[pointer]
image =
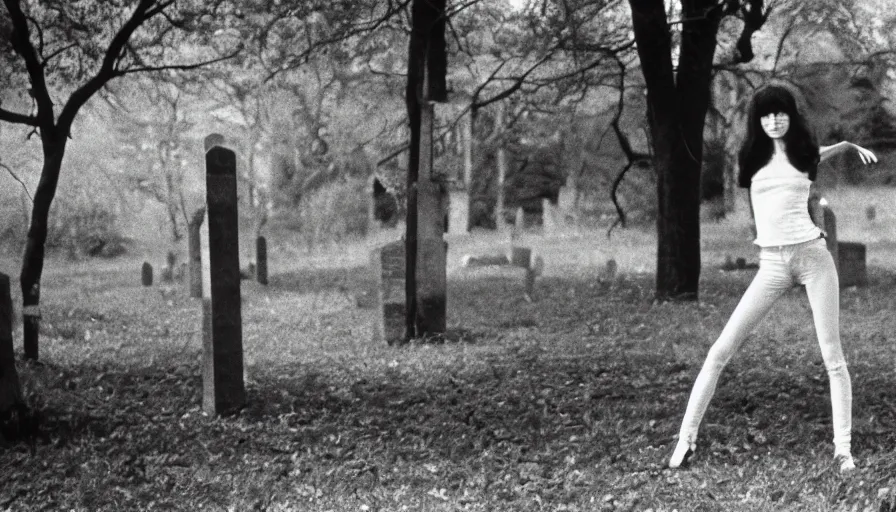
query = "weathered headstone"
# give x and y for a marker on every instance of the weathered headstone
(550, 220)
(520, 256)
(430, 264)
(10, 389)
(224, 388)
(849, 257)
(484, 260)
(212, 140)
(146, 274)
(611, 269)
(194, 250)
(261, 253)
(519, 220)
(459, 220)
(566, 202)
(432, 254)
(168, 270)
(388, 263)
(851, 268)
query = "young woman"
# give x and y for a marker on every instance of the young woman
(778, 162)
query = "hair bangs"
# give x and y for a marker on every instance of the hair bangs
(773, 100)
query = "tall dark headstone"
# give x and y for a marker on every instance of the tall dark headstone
(224, 389)
(146, 274)
(261, 255)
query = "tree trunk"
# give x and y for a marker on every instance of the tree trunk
(676, 114)
(10, 388)
(502, 175)
(171, 205)
(35, 244)
(468, 150)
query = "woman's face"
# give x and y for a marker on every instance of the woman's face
(775, 124)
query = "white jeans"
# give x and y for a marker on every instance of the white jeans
(807, 263)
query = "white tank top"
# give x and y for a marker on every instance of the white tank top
(780, 196)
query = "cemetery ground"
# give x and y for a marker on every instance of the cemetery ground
(568, 402)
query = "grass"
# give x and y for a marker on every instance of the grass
(569, 402)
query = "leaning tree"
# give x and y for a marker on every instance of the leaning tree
(61, 54)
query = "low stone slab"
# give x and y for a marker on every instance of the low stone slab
(520, 257)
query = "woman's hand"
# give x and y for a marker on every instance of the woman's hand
(825, 152)
(866, 155)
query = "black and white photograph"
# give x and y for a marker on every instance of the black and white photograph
(448, 255)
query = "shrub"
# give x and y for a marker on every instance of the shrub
(82, 228)
(335, 211)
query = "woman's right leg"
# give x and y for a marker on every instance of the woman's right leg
(772, 279)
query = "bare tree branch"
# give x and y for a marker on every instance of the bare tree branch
(631, 156)
(354, 29)
(179, 67)
(21, 43)
(56, 53)
(107, 69)
(15, 177)
(16, 118)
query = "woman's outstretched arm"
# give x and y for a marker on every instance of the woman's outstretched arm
(825, 152)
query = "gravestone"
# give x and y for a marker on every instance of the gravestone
(871, 212)
(388, 263)
(168, 269)
(224, 389)
(194, 252)
(517, 256)
(851, 269)
(519, 220)
(520, 256)
(212, 140)
(261, 254)
(849, 257)
(146, 274)
(550, 216)
(459, 205)
(566, 203)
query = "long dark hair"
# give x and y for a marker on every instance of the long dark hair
(799, 141)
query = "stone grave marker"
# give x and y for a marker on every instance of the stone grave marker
(261, 254)
(194, 252)
(388, 263)
(851, 269)
(459, 205)
(849, 257)
(146, 274)
(223, 386)
(168, 270)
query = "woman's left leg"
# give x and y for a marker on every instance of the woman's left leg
(819, 275)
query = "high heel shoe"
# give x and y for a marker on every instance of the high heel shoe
(683, 451)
